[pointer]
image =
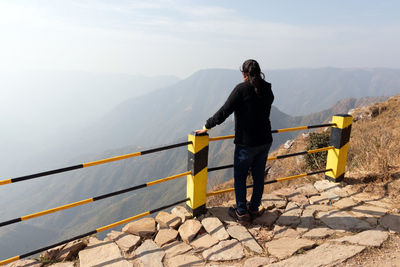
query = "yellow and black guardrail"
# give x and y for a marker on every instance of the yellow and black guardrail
(269, 182)
(279, 157)
(196, 174)
(89, 200)
(218, 138)
(340, 137)
(90, 164)
(98, 230)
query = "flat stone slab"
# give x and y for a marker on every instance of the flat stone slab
(345, 203)
(168, 220)
(268, 218)
(126, 242)
(325, 185)
(286, 247)
(184, 260)
(364, 197)
(299, 199)
(222, 214)
(203, 242)
(284, 231)
(258, 261)
(175, 248)
(307, 220)
(165, 236)
(102, 253)
(369, 211)
(371, 238)
(61, 264)
(149, 254)
(240, 233)
(145, 227)
(182, 213)
(307, 190)
(270, 201)
(380, 203)
(391, 222)
(189, 229)
(318, 233)
(325, 255)
(215, 228)
(224, 251)
(324, 198)
(291, 216)
(25, 263)
(318, 207)
(342, 220)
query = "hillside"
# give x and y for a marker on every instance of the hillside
(308, 222)
(163, 116)
(184, 106)
(87, 183)
(298, 91)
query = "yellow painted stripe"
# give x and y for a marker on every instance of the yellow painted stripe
(220, 192)
(222, 137)
(38, 214)
(292, 129)
(291, 177)
(123, 221)
(272, 158)
(102, 161)
(320, 149)
(168, 178)
(3, 182)
(4, 262)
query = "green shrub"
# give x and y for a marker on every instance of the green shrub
(317, 161)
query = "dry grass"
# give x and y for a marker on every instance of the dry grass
(375, 142)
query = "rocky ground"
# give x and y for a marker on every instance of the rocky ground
(320, 224)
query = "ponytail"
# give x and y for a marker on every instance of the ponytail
(256, 77)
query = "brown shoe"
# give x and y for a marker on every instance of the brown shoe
(255, 214)
(241, 218)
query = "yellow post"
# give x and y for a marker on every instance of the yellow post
(197, 181)
(337, 157)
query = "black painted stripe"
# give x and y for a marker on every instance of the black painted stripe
(337, 179)
(340, 137)
(41, 174)
(311, 126)
(197, 162)
(10, 222)
(220, 168)
(119, 192)
(158, 149)
(321, 125)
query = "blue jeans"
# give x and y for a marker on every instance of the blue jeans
(244, 159)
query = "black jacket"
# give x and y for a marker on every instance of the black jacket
(252, 124)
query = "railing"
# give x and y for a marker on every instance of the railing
(196, 175)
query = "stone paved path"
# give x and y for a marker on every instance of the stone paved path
(305, 225)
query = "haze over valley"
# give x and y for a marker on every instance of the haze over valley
(161, 116)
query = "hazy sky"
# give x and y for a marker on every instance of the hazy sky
(180, 37)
